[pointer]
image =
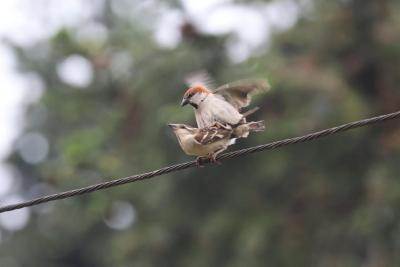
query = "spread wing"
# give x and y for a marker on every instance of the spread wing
(239, 93)
(212, 134)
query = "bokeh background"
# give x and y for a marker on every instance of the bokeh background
(87, 88)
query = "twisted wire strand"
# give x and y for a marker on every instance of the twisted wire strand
(190, 164)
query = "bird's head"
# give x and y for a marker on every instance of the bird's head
(195, 95)
(182, 129)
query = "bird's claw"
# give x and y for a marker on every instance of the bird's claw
(219, 125)
(199, 162)
(213, 159)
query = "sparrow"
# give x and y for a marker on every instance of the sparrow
(211, 141)
(223, 104)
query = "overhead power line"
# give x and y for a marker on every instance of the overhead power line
(190, 164)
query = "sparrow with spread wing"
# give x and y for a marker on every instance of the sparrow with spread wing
(223, 104)
(211, 141)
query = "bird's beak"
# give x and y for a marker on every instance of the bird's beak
(173, 126)
(184, 102)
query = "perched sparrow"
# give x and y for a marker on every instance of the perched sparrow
(223, 104)
(211, 141)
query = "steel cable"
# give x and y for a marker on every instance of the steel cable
(190, 164)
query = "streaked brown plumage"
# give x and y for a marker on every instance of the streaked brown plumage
(211, 141)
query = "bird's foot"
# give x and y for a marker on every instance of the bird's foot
(213, 159)
(199, 162)
(219, 125)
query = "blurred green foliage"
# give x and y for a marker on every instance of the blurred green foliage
(333, 202)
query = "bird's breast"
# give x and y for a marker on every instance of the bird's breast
(216, 109)
(193, 148)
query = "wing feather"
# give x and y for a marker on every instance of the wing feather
(212, 134)
(239, 93)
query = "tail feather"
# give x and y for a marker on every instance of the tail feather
(250, 111)
(243, 130)
(256, 126)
